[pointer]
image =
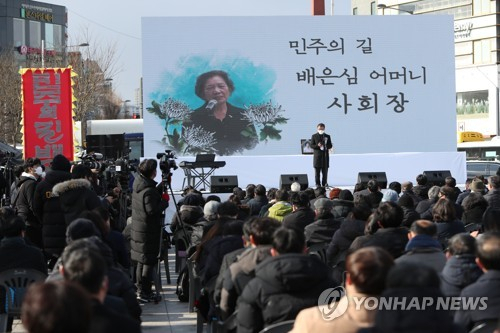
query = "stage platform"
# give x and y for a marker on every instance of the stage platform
(344, 168)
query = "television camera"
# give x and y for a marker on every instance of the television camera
(167, 163)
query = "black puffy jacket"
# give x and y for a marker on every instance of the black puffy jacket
(48, 210)
(282, 287)
(147, 209)
(459, 272)
(75, 197)
(24, 199)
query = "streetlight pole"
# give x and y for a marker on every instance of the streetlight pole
(384, 7)
(65, 54)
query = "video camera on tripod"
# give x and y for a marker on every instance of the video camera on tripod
(167, 163)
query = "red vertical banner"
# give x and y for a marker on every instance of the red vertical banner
(47, 96)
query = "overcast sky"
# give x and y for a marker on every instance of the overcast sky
(114, 21)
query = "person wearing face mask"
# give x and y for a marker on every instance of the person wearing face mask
(232, 131)
(23, 204)
(321, 143)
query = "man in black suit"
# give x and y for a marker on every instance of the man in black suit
(321, 143)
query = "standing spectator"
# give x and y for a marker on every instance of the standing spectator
(147, 226)
(448, 225)
(487, 286)
(422, 188)
(283, 285)
(302, 215)
(23, 203)
(460, 269)
(258, 201)
(366, 271)
(493, 195)
(48, 208)
(76, 195)
(423, 247)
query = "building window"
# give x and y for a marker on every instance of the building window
(35, 34)
(482, 51)
(53, 37)
(373, 8)
(355, 11)
(19, 32)
(481, 7)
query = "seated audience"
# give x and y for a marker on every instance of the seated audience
(56, 307)
(460, 269)
(448, 225)
(302, 215)
(281, 207)
(325, 225)
(423, 247)
(366, 271)
(486, 287)
(283, 285)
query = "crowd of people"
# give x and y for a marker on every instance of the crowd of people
(266, 256)
(262, 256)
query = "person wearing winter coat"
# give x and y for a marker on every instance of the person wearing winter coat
(302, 214)
(366, 271)
(284, 284)
(423, 247)
(147, 225)
(447, 224)
(48, 208)
(281, 207)
(325, 225)
(461, 268)
(76, 195)
(23, 203)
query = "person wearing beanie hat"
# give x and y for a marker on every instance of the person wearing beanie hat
(390, 195)
(60, 163)
(325, 225)
(48, 210)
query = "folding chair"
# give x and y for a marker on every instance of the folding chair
(14, 283)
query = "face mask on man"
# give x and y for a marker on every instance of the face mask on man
(39, 171)
(320, 132)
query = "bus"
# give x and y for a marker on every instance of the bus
(114, 136)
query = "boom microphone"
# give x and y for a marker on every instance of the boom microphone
(211, 103)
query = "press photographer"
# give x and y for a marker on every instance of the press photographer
(148, 206)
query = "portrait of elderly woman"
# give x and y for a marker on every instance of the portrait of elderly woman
(232, 130)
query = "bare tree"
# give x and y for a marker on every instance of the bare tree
(10, 97)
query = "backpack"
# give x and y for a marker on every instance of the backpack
(182, 289)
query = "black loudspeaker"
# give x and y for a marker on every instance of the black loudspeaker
(365, 177)
(437, 178)
(287, 180)
(223, 184)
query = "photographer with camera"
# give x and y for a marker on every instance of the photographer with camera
(148, 205)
